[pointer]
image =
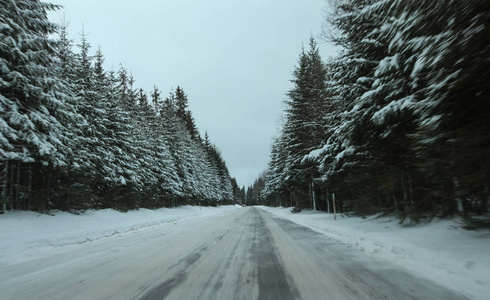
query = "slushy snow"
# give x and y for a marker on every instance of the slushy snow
(28, 235)
(441, 251)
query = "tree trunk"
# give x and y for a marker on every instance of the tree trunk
(313, 194)
(410, 187)
(29, 184)
(404, 189)
(486, 192)
(310, 195)
(47, 184)
(4, 185)
(11, 194)
(328, 200)
(459, 202)
(17, 185)
(396, 203)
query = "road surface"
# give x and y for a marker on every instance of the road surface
(243, 254)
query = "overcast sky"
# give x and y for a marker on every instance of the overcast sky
(233, 58)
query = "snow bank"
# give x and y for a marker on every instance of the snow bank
(29, 235)
(440, 251)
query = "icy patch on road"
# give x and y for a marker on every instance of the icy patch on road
(440, 251)
(28, 235)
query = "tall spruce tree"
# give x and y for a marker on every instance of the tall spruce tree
(33, 105)
(304, 123)
(403, 142)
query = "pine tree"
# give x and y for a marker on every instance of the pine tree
(275, 188)
(184, 114)
(303, 130)
(73, 136)
(181, 103)
(222, 183)
(72, 188)
(236, 191)
(32, 104)
(351, 156)
(406, 140)
(445, 47)
(156, 99)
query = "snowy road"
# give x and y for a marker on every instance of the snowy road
(243, 254)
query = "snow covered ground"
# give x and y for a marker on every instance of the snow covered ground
(441, 251)
(28, 235)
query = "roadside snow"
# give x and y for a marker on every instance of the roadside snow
(440, 251)
(28, 235)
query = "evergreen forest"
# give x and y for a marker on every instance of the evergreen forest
(74, 136)
(398, 123)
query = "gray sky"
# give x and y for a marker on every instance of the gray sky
(233, 58)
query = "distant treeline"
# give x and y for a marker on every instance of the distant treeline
(74, 136)
(399, 122)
